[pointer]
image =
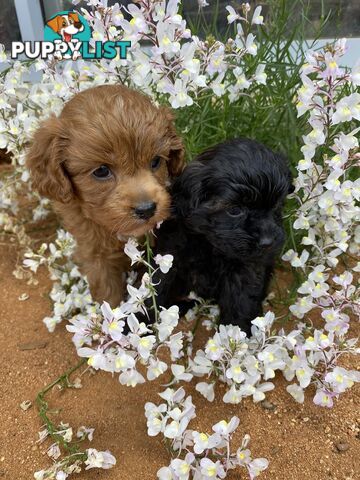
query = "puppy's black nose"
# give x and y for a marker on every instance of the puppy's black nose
(266, 242)
(145, 210)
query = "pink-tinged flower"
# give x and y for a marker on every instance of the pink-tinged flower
(345, 279)
(323, 398)
(243, 456)
(341, 379)
(336, 321)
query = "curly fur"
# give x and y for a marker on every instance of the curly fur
(226, 229)
(114, 126)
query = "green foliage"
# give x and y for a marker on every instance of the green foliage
(266, 113)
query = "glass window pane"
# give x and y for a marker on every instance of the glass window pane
(9, 27)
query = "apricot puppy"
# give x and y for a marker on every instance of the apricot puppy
(106, 162)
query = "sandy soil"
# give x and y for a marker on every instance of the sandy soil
(299, 441)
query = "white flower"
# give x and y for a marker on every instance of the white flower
(54, 451)
(40, 475)
(175, 343)
(250, 44)
(179, 97)
(85, 432)
(175, 428)
(179, 373)
(232, 16)
(212, 470)
(156, 368)
(202, 441)
(296, 392)
(214, 350)
(243, 456)
(341, 379)
(132, 251)
(323, 398)
(202, 3)
(61, 475)
(225, 428)
(123, 361)
(257, 19)
(168, 321)
(233, 396)
(182, 467)
(260, 75)
(235, 371)
(164, 261)
(347, 109)
(165, 473)
(96, 459)
(131, 378)
(207, 390)
(304, 375)
(257, 466)
(294, 259)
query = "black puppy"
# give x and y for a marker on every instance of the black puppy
(226, 229)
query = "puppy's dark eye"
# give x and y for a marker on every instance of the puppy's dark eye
(102, 173)
(155, 163)
(236, 212)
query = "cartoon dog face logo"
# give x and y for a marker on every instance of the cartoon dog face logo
(66, 25)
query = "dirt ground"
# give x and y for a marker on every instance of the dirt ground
(300, 442)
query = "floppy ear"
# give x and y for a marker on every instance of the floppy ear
(187, 189)
(45, 161)
(54, 23)
(176, 161)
